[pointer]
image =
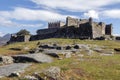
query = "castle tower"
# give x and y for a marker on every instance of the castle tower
(72, 22)
(90, 20)
(103, 25)
(108, 29)
(57, 24)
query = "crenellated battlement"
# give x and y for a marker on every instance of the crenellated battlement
(57, 24)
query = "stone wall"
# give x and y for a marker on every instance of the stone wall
(82, 32)
(98, 29)
(85, 31)
(108, 29)
(62, 24)
(27, 38)
(58, 24)
(72, 22)
(42, 36)
(117, 37)
(83, 21)
(15, 38)
(46, 31)
(103, 25)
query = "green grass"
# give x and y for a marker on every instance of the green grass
(5, 50)
(106, 68)
(91, 68)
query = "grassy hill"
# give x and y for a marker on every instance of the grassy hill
(6, 50)
(91, 68)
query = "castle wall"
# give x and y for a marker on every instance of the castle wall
(108, 29)
(85, 31)
(72, 22)
(103, 25)
(42, 36)
(83, 21)
(27, 38)
(46, 31)
(98, 29)
(54, 25)
(62, 24)
(58, 24)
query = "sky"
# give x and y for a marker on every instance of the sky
(35, 14)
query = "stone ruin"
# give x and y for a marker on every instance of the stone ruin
(89, 28)
(73, 28)
(58, 24)
(84, 28)
(15, 38)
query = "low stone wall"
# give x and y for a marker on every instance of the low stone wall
(15, 38)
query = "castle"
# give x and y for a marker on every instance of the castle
(83, 29)
(73, 28)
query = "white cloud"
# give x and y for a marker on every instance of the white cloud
(28, 25)
(75, 5)
(92, 13)
(9, 23)
(1, 34)
(116, 34)
(115, 13)
(5, 22)
(45, 15)
(29, 14)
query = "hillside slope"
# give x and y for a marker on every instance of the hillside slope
(4, 39)
(102, 64)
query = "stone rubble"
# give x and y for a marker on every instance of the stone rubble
(6, 59)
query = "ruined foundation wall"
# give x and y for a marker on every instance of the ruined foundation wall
(16, 38)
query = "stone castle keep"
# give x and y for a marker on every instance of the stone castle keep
(73, 28)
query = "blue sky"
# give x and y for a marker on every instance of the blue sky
(34, 14)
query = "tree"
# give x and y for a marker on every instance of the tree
(23, 32)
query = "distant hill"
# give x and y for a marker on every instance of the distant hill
(4, 39)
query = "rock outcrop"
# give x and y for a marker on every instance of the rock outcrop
(36, 57)
(7, 70)
(6, 59)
